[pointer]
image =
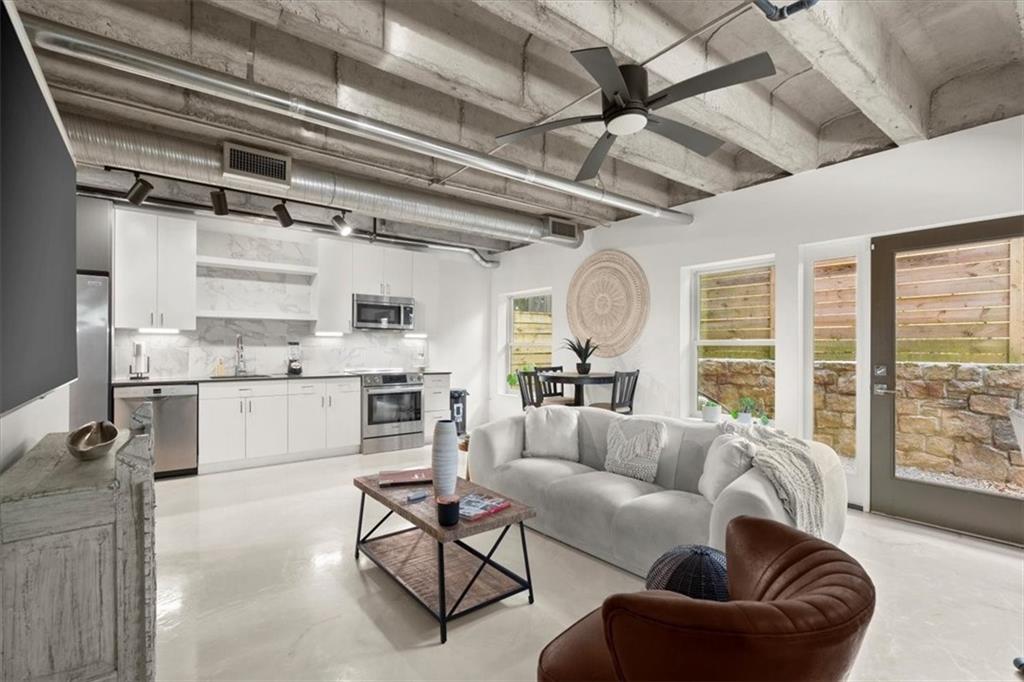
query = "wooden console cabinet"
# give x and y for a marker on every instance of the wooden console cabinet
(77, 574)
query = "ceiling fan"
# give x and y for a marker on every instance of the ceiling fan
(627, 107)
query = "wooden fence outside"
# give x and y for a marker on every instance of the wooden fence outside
(531, 339)
(963, 304)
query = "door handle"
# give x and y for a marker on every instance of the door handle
(882, 389)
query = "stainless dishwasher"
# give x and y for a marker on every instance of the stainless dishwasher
(174, 424)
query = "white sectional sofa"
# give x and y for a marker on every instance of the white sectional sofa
(625, 521)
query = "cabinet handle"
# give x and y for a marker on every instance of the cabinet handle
(240, 406)
(151, 315)
(250, 407)
(161, 319)
(321, 401)
(330, 401)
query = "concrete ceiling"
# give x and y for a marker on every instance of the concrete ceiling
(853, 78)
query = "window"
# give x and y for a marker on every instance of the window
(529, 331)
(735, 338)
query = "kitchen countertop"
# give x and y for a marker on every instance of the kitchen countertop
(166, 381)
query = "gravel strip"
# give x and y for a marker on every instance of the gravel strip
(952, 480)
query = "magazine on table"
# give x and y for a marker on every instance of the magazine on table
(475, 506)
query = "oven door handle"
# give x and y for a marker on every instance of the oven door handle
(385, 391)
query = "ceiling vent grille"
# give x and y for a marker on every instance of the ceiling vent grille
(257, 165)
(562, 231)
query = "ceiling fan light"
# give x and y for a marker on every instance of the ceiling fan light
(627, 123)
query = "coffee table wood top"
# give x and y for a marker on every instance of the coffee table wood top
(423, 514)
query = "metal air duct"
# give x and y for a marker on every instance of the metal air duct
(107, 145)
(53, 37)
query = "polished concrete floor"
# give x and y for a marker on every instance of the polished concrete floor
(256, 581)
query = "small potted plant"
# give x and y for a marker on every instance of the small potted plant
(711, 412)
(747, 410)
(583, 351)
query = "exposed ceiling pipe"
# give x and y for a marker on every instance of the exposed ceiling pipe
(779, 13)
(53, 37)
(107, 145)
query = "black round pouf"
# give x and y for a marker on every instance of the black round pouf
(693, 570)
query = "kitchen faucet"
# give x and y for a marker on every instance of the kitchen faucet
(240, 369)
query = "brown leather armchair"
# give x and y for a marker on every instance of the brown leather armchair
(799, 609)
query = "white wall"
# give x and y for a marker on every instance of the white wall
(22, 428)
(970, 175)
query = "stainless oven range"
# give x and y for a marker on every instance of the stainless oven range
(392, 411)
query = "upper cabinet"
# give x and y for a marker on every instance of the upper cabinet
(334, 286)
(381, 271)
(426, 275)
(154, 271)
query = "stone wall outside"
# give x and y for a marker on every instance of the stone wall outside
(950, 418)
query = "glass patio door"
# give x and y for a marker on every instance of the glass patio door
(947, 347)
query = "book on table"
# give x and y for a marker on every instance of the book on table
(475, 506)
(405, 477)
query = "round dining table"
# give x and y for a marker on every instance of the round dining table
(578, 381)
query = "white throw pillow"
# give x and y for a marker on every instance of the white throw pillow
(728, 458)
(552, 432)
(634, 446)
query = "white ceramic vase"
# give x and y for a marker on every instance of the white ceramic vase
(711, 413)
(745, 418)
(444, 458)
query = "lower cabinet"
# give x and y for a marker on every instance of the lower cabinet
(436, 402)
(344, 413)
(259, 420)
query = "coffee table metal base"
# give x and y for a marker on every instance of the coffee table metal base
(438, 573)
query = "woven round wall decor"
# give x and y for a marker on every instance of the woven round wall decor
(608, 302)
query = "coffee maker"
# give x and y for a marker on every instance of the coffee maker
(138, 368)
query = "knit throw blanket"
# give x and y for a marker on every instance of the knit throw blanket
(787, 464)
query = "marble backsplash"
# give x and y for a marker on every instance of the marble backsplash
(194, 353)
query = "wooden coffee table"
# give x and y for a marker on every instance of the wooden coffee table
(431, 562)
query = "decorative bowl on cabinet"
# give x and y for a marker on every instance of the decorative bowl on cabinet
(91, 440)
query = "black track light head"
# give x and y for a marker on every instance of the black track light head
(219, 199)
(139, 191)
(283, 216)
(342, 225)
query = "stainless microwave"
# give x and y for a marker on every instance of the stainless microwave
(383, 312)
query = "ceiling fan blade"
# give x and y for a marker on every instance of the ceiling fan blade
(751, 68)
(595, 158)
(600, 64)
(517, 135)
(680, 133)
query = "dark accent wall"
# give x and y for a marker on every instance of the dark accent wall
(37, 237)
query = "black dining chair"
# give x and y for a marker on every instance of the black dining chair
(531, 389)
(623, 390)
(553, 390)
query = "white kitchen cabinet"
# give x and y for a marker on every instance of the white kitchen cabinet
(398, 273)
(436, 402)
(344, 413)
(426, 290)
(266, 426)
(334, 283)
(136, 235)
(221, 430)
(381, 271)
(154, 270)
(367, 269)
(176, 274)
(306, 416)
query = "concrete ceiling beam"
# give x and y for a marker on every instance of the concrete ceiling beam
(457, 51)
(849, 44)
(745, 114)
(978, 98)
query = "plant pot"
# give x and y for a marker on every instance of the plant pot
(583, 368)
(744, 418)
(444, 458)
(711, 413)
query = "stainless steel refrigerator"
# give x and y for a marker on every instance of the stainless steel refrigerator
(90, 394)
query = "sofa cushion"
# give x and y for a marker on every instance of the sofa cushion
(581, 508)
(552, 431)
(634, 447)
(525, 479)
(728, 458)
(646, 527)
